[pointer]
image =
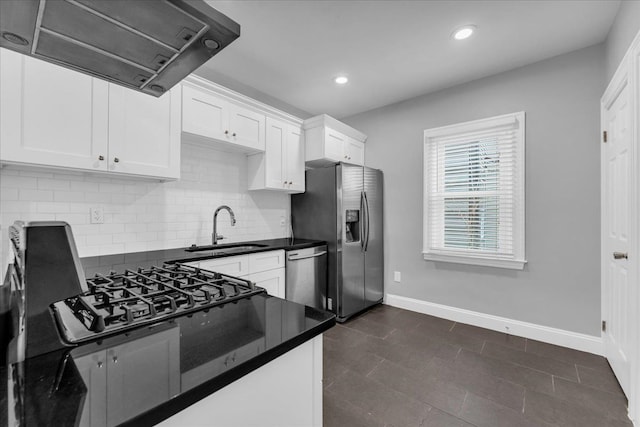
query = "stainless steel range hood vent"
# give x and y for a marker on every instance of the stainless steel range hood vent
(147, 45)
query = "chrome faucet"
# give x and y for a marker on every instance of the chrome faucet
(214, 236)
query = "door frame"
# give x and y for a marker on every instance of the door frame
(628, 73)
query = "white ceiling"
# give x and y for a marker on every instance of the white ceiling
(394, 50)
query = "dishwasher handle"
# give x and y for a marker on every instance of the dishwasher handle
(294, 258)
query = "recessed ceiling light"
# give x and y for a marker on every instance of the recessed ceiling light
(464, 32)
(341, 80)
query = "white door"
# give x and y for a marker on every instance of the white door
(295, 159)
(618, 302)
(204, 114)
(275, 168)
(50, 115)
(246, 127)
(144, 132)
(334, 143)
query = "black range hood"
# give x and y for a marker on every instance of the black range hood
(147, 45)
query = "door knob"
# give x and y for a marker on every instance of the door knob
(620, 255)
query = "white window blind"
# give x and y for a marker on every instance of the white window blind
(474, 192)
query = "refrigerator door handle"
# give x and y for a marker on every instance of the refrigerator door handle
(361, 222)
(366, 206)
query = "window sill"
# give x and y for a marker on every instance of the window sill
(487, 262)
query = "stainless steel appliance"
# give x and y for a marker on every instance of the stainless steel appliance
(343, 206)
(59, 307)
(149, 46)
(306, 280)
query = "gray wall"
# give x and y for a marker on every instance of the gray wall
(623, 30)
(560, 286)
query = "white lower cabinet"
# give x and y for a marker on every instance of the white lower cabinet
(272, 281)
(266, 269)
(138, 376)
(55, 117)
(285, 392)
(233, 265)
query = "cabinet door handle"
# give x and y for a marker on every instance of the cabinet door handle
(346, 157)
(116, 160)
(101, 157)
(290, 182)
(226, 132)
(620, 255)
(234, 134)
(99, 364)
(115, 359)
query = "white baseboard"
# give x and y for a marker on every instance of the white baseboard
(577, 341)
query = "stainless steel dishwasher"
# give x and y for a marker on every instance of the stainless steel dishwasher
(306, 281)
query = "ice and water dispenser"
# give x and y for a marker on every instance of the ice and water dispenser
(352, 225)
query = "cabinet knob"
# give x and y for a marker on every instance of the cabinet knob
(226, 132)
(349, 157)
(234, 134)
(346, 157)
(115, 359)
(116, 160)
(99, 364)
(101, 157)
(290, 182)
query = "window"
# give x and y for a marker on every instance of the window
(474, 192)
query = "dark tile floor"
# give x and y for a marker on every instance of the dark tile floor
(391, 368)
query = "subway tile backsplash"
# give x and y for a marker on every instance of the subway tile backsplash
(141, 214)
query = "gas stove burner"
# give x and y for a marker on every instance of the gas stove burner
(121, 301)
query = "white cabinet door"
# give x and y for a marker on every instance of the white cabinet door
(274, 156)
(50, 115)
(142, 374)
(334, 143)
(354, 151)
(294, 159)
(144, 133)
(263, 261)
(233, 265)
(93, 370)
(204, 114)
(247, 128)
(273, 281)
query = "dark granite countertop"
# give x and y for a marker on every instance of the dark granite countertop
(119, 262)
(164, 368)
(143, 377)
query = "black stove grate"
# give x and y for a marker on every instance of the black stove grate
(120, 301)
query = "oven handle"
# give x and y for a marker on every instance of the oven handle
(307, 257)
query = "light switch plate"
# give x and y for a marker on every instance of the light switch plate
(397, 276)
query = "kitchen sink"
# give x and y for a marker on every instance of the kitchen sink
(224, 249)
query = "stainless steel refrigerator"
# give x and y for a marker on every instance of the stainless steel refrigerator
(342, 205)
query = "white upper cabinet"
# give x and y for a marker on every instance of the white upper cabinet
(204, 114)
(328, 141)
(56, 117)
(144, 133)
(208, 115)
(281, 166)
(353, 151)
(51, 116)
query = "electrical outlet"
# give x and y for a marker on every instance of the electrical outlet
(397, 276)
(96, 215)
